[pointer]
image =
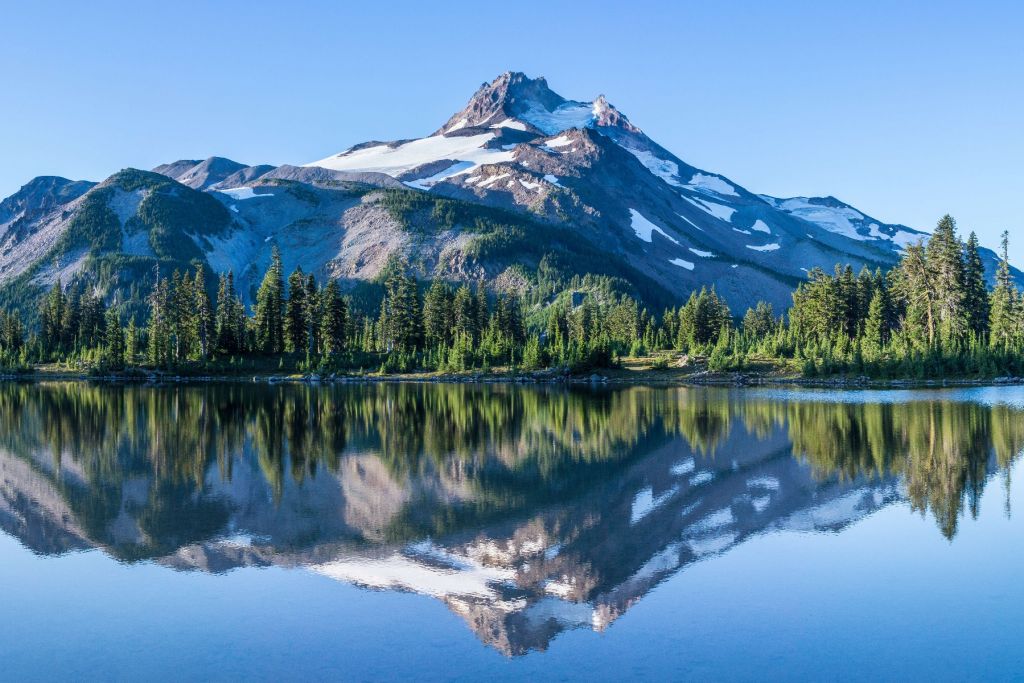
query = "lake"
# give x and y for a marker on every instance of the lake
(381, 531)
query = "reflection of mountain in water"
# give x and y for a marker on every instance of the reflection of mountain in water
(528, 511)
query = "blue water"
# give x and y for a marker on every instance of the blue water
(809, 577)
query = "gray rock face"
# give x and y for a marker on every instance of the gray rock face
(39, 196)
(202, 175)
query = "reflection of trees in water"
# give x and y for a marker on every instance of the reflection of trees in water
(154, 451)
(941, 449)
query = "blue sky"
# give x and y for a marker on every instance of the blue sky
(905, 110)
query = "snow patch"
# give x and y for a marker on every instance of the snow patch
(560, 141)
(664, 169)
(764, 247)
(719, 211)
(712, 183)
(568, 115)
(510, 123)
(702, 254)
(242, 193)
(836, 219)
(760, 226)
(552, 179)
(690, 222)
(682, 264)
(454, 169)
(645, 229)
(493, 179)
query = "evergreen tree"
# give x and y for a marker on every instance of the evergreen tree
(269, 323)
(875, 327)
(312, 315)
(333, 320)
(759, 322)
(131, 342)
(438, 315)
(975, 292)
(159, 332)
(114, 347)
(296, 328)
(947, 279)
(1004, 303)
(203, 324)
(464, 313)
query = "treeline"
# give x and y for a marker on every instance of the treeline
(931, 315)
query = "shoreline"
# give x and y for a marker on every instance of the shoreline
(605, 377)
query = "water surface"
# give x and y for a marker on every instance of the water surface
(435, 531)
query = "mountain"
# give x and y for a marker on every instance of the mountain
(520, 185)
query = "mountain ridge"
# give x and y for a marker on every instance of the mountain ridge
(574, 182)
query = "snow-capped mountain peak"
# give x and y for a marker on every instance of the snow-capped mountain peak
(519, 177)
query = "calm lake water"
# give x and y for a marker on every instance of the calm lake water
(471, 532)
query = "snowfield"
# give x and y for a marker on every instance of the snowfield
(394, 161)
(569, 115)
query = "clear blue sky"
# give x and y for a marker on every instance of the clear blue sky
(905, 110)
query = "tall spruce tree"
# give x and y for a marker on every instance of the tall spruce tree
(1004, 303)
(269, 323)
(203, 324)
(296, 329)
(975, 291)
(947, 279)
(333, 318)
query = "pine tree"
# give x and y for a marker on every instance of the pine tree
(481, 311)
(159, 333)
(438, 315)
(875, 328)
(52, 319)
(312, 315)
(269, 323)
(975, 292)
(334, 313)
(1004, 303)
(917, 294)
(946, 268)
(295, 326)
(202, 317)
(759, 322)
(114, 347)
(463, 313)
(131, 342)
